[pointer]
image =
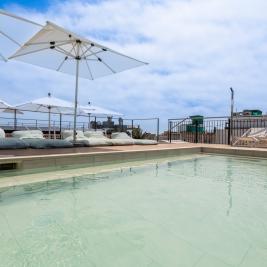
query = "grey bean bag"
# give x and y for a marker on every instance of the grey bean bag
(40, 143)
(12, 143)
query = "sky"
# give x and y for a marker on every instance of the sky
(196, 50)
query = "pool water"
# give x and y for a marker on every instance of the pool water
(202, 211)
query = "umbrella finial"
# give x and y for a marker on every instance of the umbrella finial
(49, 94)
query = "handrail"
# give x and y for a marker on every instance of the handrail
(179, 123)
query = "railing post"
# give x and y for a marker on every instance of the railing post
(229, 131)
(196, 136)
(170, 132)
(157, 129)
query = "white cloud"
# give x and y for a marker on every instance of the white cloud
(196, 49)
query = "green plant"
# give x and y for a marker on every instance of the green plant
(137, 133)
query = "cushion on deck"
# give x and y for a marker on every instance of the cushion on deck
(145, 142)
(12, 143)
(2, 133)
(99, 141)
(46, 143)
(81, 141)
(120, 136)
(28, 134)
(122, 142)
(69, 133)
(94, 134)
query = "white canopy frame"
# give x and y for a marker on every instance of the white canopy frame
(74, 48)
(8, 35)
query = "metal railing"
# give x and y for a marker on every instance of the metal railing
(12, 123)
(213, 130)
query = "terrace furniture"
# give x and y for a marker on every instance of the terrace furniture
(251, 137)
(11, 143)
(97, 138)
(122, 138)
(35, 139)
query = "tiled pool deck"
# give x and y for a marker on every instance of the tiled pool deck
(36, 165)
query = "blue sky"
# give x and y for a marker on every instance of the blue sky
(196, 50)
(33, 4)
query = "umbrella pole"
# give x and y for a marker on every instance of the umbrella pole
(49, 122)
(89, 121)
(15, 119)
(76, 99)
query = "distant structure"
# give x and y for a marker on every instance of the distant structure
(248, 113)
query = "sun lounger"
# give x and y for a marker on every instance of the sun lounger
(11, 143)
(125, 139)
(35, 139)
(251, 137)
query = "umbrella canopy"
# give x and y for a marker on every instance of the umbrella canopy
(48, 104)
(59, 49)
(95, 110)
(4, 105)
(44, 104)
(14, 31)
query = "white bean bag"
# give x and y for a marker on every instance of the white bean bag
(35, 139)
(28, 134)
(122, 137)
(2, 133)
(97, 138)
(80, 138)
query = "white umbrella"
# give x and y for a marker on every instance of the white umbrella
(59, 49)
(5, 107)
(48, 104)
(95, 110)
(14, 31)
(92, 110)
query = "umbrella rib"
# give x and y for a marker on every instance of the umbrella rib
(87, 49)
(102, 61)
(27, 53)
(9, 38)
(1, 56)
(38, 50)
(56, 42)
(65, 59)
(93, 54)
(88, 66)
(63, 51)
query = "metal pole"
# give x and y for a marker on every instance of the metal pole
(76, 99)
(232, 115)
(49, 122)
(60, 124)
(89, 121)
(15, 119)
(157, 129)
(95, 123)
(170, 131)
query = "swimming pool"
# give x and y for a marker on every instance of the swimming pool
(205, 210)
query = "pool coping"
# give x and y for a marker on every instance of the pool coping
(101, 160)
(42, 161)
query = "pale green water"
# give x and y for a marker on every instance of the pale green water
(207, 211)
